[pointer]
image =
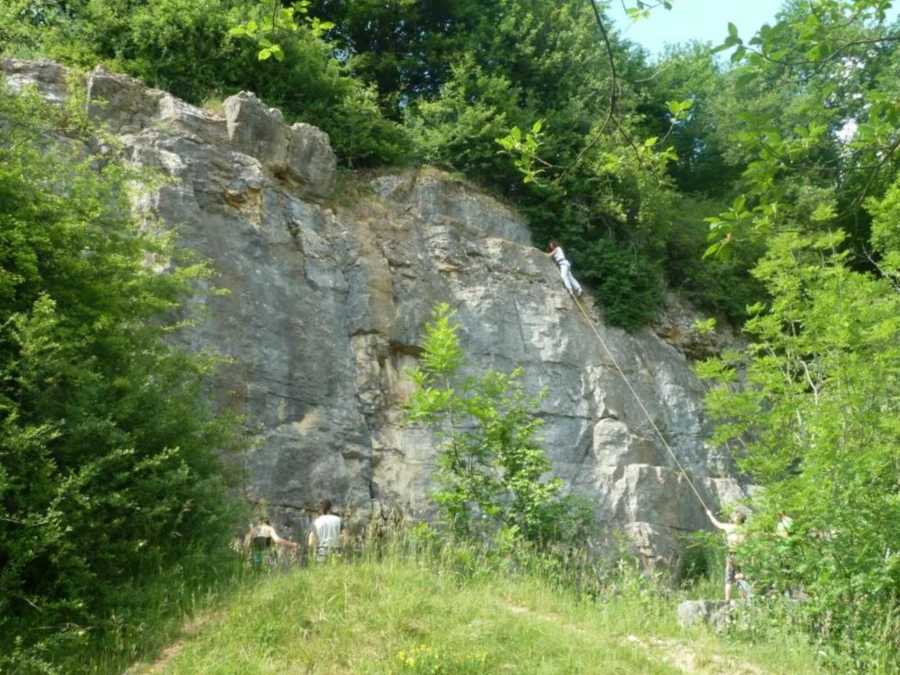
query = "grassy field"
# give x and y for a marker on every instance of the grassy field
(402, 616)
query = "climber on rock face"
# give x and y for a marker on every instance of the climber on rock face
(554, 250)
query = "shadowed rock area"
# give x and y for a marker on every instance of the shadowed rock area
(329, 291)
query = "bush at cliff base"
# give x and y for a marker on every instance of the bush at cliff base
(109, 469)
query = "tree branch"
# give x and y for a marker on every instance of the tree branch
(613, 93)
(878, 167)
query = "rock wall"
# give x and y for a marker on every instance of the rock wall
(327, 305)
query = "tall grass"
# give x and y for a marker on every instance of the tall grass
(147, 614)
(413, 604)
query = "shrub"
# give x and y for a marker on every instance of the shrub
(491, 471)
(108, 448)
(629, 284)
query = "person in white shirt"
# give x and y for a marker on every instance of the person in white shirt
(554, 250)
(327, 534)
(734, 537)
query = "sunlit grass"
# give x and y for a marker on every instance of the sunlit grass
(407, 615)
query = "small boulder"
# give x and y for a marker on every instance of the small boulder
(715, 613)
(122, 102)
(48, 77)
(255, 129)
(310, 159)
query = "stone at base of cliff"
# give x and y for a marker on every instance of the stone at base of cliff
(715, 613)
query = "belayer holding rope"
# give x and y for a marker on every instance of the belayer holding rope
(554, 250)
(734, 537)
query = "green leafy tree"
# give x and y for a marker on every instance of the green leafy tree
(815, 423)
(703, 166)
(491, 470)
(405, 49)
(815, 120)
(109, 452)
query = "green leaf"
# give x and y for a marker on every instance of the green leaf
(815, 53)
(823, 213)
(635, 14)
(745, 77)
(712, 250)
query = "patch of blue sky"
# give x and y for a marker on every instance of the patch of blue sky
(702, 20)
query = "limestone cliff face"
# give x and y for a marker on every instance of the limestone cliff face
(327, 306)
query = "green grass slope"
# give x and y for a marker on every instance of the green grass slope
(400, 616)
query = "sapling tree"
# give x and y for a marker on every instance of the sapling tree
(491, 471)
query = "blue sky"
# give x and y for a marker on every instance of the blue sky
(694, 20)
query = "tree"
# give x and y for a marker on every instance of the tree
(815, 423)
(404, 49)
(815, 120)
(491, 470)
(691, 72)
(109, 452)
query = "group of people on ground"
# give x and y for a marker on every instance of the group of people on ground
(325, 540)
(327, 537)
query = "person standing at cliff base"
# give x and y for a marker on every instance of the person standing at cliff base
(734, 537)
(554, 250)
(327, 533)
(260, 539)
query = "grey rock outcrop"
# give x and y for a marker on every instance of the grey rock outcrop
(715, 613)
(326, 308)
(301, 152)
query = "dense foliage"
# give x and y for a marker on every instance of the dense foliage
(759, 180)
(108, 453)
(492, 474)
(814, 422)
(819, 412)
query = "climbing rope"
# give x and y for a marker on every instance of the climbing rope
(638, 399)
